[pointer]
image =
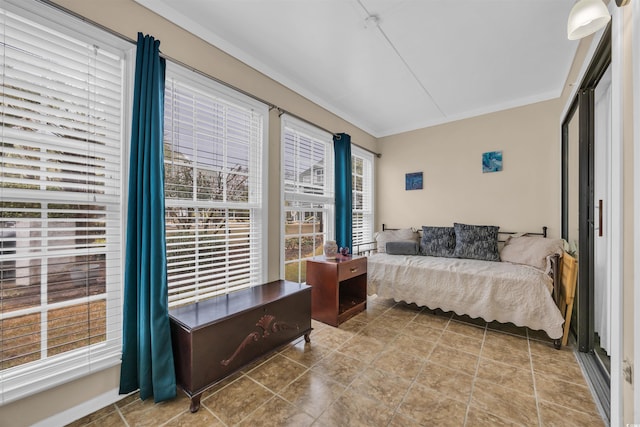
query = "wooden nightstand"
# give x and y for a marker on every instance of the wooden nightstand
(338, 287)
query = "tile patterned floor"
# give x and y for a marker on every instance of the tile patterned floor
(393, 365)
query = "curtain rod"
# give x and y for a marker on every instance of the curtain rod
(195, 70)
(302, 119)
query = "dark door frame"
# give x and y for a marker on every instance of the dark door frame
(584, 103)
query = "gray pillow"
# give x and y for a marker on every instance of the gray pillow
(477, 242)
(438, 241)
(385, 236)
(403, 247)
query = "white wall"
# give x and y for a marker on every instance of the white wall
(524, 196)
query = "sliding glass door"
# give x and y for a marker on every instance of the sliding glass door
(602, 226)
(586, 186)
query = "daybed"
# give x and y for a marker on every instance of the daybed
(466, 270)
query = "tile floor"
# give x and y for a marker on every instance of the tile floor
(393, 365)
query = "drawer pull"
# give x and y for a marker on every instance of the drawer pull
(354, 269)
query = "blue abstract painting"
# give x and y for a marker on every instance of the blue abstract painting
(413, 181)
(492, 161)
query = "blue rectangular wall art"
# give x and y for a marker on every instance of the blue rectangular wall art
(413, 181)
(492, 161)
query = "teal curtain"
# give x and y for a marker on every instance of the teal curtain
(344, 219)
(147, 358)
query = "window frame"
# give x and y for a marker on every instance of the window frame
(368, 188)
(33, 377)
(288, 121)
(208, 86)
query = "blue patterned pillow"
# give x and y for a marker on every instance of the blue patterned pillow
(477, 242)
(438, 241)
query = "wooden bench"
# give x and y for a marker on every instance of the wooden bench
(214, 338)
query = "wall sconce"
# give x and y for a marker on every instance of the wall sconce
(587, 17)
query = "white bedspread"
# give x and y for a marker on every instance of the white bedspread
(491, 290)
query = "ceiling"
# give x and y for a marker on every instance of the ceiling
(389, 66)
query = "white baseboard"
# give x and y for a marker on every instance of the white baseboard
(81, 410)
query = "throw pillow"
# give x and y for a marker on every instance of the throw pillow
(403, 247)
(477, 242)
(531, 250)
(438, 241)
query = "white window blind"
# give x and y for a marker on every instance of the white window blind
(60, 204)
(308, 200)
(215, 183)
(362, 195)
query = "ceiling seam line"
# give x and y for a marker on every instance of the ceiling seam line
(413, 74)
(415, 77)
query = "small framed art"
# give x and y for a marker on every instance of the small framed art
(413, 181)
(492, 161)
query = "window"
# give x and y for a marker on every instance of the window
(362, 179)
(308, 205)
(60, 198)
(214, 145)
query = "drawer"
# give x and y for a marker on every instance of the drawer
(353, 268)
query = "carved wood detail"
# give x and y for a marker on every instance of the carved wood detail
(269, 325)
